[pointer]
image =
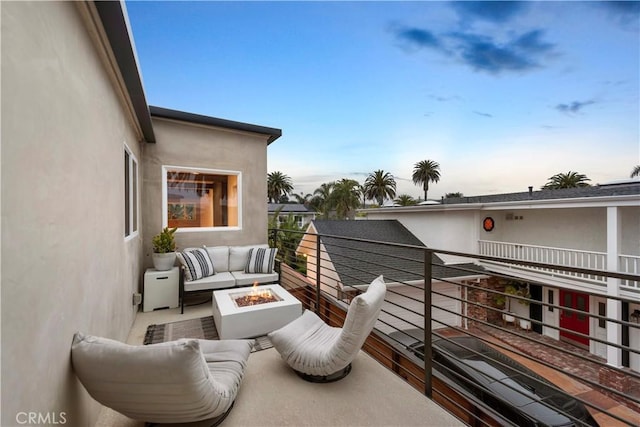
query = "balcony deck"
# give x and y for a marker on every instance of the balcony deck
(272, 395)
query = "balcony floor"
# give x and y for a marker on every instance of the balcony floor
(273, 395)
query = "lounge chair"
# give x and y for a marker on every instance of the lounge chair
(321, 353)
(180, 381)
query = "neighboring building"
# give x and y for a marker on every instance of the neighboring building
(90, 173)
(301, 214)
(592, 227)
(350, 265)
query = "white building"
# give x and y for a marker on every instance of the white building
(593, 227)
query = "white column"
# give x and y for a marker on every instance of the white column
(614, 306)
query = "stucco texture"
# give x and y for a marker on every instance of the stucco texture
(66, 265)
(184, 144)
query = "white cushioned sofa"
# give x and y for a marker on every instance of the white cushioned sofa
(232, 266)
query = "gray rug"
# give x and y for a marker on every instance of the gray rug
(202, 328)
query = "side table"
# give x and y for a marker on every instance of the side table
(160, 289)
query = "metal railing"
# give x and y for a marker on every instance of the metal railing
(428, 301)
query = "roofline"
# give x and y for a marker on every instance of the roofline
(182, 116)
(116, 26)
(622, 200)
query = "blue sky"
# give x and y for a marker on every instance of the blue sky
(502, 95)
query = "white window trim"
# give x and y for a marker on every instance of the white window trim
(132, 158)
(165, 216)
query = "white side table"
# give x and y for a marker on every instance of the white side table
(160, 289)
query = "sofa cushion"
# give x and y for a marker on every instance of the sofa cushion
(245, 279)
(261, 260)
(238, 256)
(197, 263)
(219, 257)
(220, 280)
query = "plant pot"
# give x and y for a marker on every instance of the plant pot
(525, 324)
(163, 262)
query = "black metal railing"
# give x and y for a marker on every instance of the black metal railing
(430, 302)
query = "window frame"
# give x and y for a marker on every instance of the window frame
(131, 194)
(165, 198)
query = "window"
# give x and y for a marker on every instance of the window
(602, 311)
(130, 193)
(200, 198)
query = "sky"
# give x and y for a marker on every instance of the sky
(502, 95)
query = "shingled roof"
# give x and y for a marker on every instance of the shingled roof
(358, 263)
(624, 188)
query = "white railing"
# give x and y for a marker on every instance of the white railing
(629, 264)
(548, 255)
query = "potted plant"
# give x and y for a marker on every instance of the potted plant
(164, 247)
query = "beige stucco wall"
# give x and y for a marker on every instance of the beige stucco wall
(185, 144)
(65, 263)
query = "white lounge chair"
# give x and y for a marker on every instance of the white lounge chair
(321, 353)
(180, 381)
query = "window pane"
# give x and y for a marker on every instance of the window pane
(134, 197)
(581, 305)
(201, 199)
(127, 196)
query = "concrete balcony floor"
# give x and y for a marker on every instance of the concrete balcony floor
(273, 395)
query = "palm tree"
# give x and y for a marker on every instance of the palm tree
(380, 185)
(303, 199)
(636, 171)
(424, 172)
(345, 198)
(566, 180)
(405, 200)
(278, 185)
(321, 198)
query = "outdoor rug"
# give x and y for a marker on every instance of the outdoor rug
(202, 328)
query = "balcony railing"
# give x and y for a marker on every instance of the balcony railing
(561, 257)
(428, 300)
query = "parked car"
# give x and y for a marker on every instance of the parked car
(511, 389)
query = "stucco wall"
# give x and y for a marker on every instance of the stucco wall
(66, 265)
(185, 144)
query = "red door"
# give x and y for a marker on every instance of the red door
(574, 321)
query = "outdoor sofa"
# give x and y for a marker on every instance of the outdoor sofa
(222, 267)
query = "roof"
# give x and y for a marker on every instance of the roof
(116, 26)
(358, 263)
(288, 208)
(166, 113)
(624, 188)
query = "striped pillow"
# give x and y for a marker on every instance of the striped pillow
(261, 260)
(197, 264)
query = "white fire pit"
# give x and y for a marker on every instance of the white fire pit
(252, 312)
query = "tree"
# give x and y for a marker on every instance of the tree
(303, 199)
(453, 195)
(566, 180)
(636, 171)
(379, 185)
(278, 185)
(424, 172)
(345, 198)
(320, 202)
(405, 200)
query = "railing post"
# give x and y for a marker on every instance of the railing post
(317, 274)
(428, 352)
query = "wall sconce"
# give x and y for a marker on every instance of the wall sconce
(635, 316)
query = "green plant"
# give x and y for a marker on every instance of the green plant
(164, 242)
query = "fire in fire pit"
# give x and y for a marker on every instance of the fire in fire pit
(255, 297)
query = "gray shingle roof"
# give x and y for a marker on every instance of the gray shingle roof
(358, 263)
(620, 189)
(288, 207)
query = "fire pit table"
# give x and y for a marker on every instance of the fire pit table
(252, 312)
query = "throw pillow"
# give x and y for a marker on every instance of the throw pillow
(197, 264)
(261, 260)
